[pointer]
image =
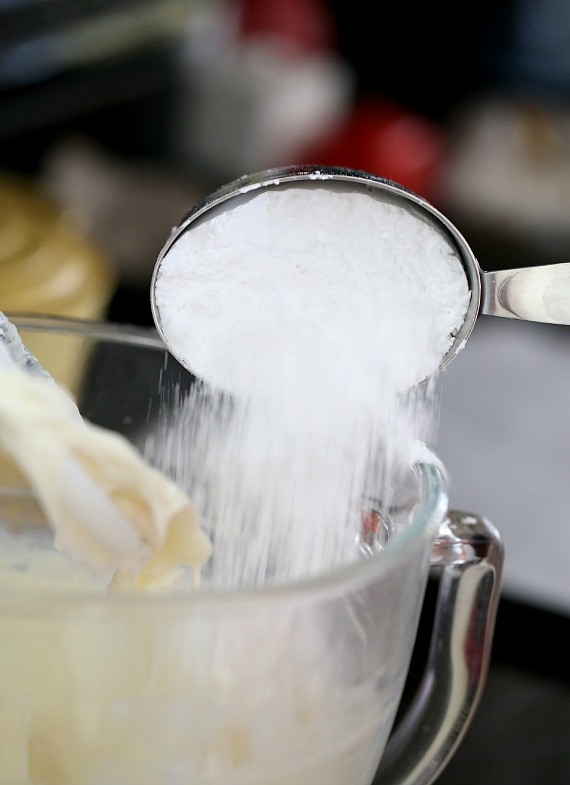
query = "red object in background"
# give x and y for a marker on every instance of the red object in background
(305, 25)
(386, 140)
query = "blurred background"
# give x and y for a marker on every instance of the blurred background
(116, 116)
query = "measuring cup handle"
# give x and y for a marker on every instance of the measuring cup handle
(469, 552)
(538, 294)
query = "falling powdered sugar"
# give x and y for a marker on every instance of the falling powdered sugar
(316, 318)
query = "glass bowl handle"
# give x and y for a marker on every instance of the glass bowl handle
(469, 551)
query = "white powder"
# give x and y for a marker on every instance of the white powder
(290, 281)
(320, 309)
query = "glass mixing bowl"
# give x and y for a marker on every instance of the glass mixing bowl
(288, 684)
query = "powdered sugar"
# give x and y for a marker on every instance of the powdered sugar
(321, 309)
(294, 281)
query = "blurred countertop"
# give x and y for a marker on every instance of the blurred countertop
(505, 438)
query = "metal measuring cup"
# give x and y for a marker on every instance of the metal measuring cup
(540, 294)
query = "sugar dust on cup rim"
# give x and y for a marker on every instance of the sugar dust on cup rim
(377, 186)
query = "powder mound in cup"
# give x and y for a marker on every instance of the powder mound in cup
(298, 280)
(320, 310)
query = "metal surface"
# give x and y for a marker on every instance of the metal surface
(539, 294)
(469, 552)
(13, 351)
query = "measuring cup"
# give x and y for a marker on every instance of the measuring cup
(539, 294)
(288, 684)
